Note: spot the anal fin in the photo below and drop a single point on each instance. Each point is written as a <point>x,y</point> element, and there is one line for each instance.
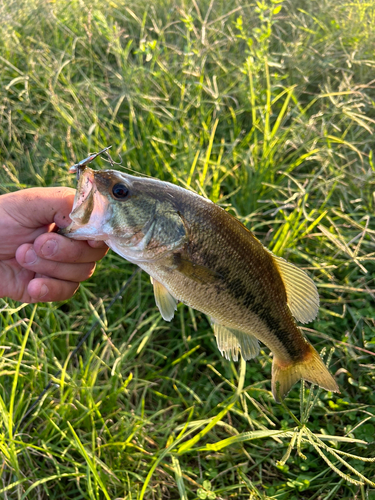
<point>231,341</point>
<point>166,303</point>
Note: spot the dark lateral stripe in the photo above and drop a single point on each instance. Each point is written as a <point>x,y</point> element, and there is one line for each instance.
<point>251,301</point>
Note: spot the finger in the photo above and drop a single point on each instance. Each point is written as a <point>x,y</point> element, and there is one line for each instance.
<point>53,246</point>
<point>28,259</point>
<point>46,289</point>
<point>14,280</point>
<point>37,207</point>
<point>97,244</point>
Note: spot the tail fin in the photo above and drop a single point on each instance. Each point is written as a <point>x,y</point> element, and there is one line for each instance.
<point>310,368</point>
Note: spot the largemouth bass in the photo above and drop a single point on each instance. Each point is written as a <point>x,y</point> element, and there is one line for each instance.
<point>197,253</point>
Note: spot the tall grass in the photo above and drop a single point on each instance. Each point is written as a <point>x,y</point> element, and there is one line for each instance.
<point>267,108</point>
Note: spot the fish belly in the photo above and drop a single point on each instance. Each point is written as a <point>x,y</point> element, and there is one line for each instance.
<point>275,328</point>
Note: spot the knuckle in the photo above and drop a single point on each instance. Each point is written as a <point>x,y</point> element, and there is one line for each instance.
<point>89,271</point>
<point>54,268</point>
<point>64,290</point>
<point>76,251</point>
<point>69,250</point>
<point>71,290</point>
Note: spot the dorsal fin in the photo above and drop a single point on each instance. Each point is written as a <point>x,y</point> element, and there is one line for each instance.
<point>302,294</point>
<point>231,341</point>
<point>166,303</point>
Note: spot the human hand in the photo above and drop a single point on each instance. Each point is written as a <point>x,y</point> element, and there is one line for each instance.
<point>36,263</point>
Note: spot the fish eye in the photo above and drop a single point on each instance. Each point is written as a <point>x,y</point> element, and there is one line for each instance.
<point>120,191</point>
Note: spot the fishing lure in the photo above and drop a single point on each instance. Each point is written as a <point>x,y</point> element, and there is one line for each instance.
<point>78,167</point>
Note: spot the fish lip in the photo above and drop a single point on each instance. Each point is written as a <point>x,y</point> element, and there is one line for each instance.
<point>64,230</point>
<point>81,209</point>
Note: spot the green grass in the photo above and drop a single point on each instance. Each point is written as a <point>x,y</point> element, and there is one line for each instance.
<point>267,111</point>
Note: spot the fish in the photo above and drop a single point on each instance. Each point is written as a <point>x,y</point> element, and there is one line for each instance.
<point>198,253</point>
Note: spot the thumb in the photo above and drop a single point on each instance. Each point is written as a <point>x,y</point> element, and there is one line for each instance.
<point>36,207</point>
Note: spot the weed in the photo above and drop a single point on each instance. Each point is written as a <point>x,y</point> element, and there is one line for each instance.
<point>266,108</point>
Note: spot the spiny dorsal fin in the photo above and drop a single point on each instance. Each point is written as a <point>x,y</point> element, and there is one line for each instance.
<point>231,341</point>
<point>302,295</point>
<point>166,303</point>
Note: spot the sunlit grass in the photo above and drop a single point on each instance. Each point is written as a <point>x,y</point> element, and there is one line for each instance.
<point>269,112</point>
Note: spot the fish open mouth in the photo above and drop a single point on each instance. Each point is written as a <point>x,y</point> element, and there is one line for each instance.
<point>90,210</point>
<point>84,199</point>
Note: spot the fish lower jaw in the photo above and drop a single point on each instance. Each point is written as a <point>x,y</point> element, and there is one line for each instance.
<point>77,232</point>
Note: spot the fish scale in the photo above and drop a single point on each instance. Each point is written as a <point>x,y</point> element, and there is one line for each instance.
<point>233,258</point>
<point>197,253</point>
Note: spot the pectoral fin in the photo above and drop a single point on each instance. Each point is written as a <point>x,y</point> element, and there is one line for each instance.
<point>194,271</point>
<point>166,303</point>
<point>231,341</point>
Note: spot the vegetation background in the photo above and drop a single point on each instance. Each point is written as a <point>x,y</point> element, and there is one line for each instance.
<point>265,107</point>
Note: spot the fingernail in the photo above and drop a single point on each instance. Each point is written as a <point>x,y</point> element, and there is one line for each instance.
<point>49,248</point>
<point>43,291</point>
<point>30,256</point>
